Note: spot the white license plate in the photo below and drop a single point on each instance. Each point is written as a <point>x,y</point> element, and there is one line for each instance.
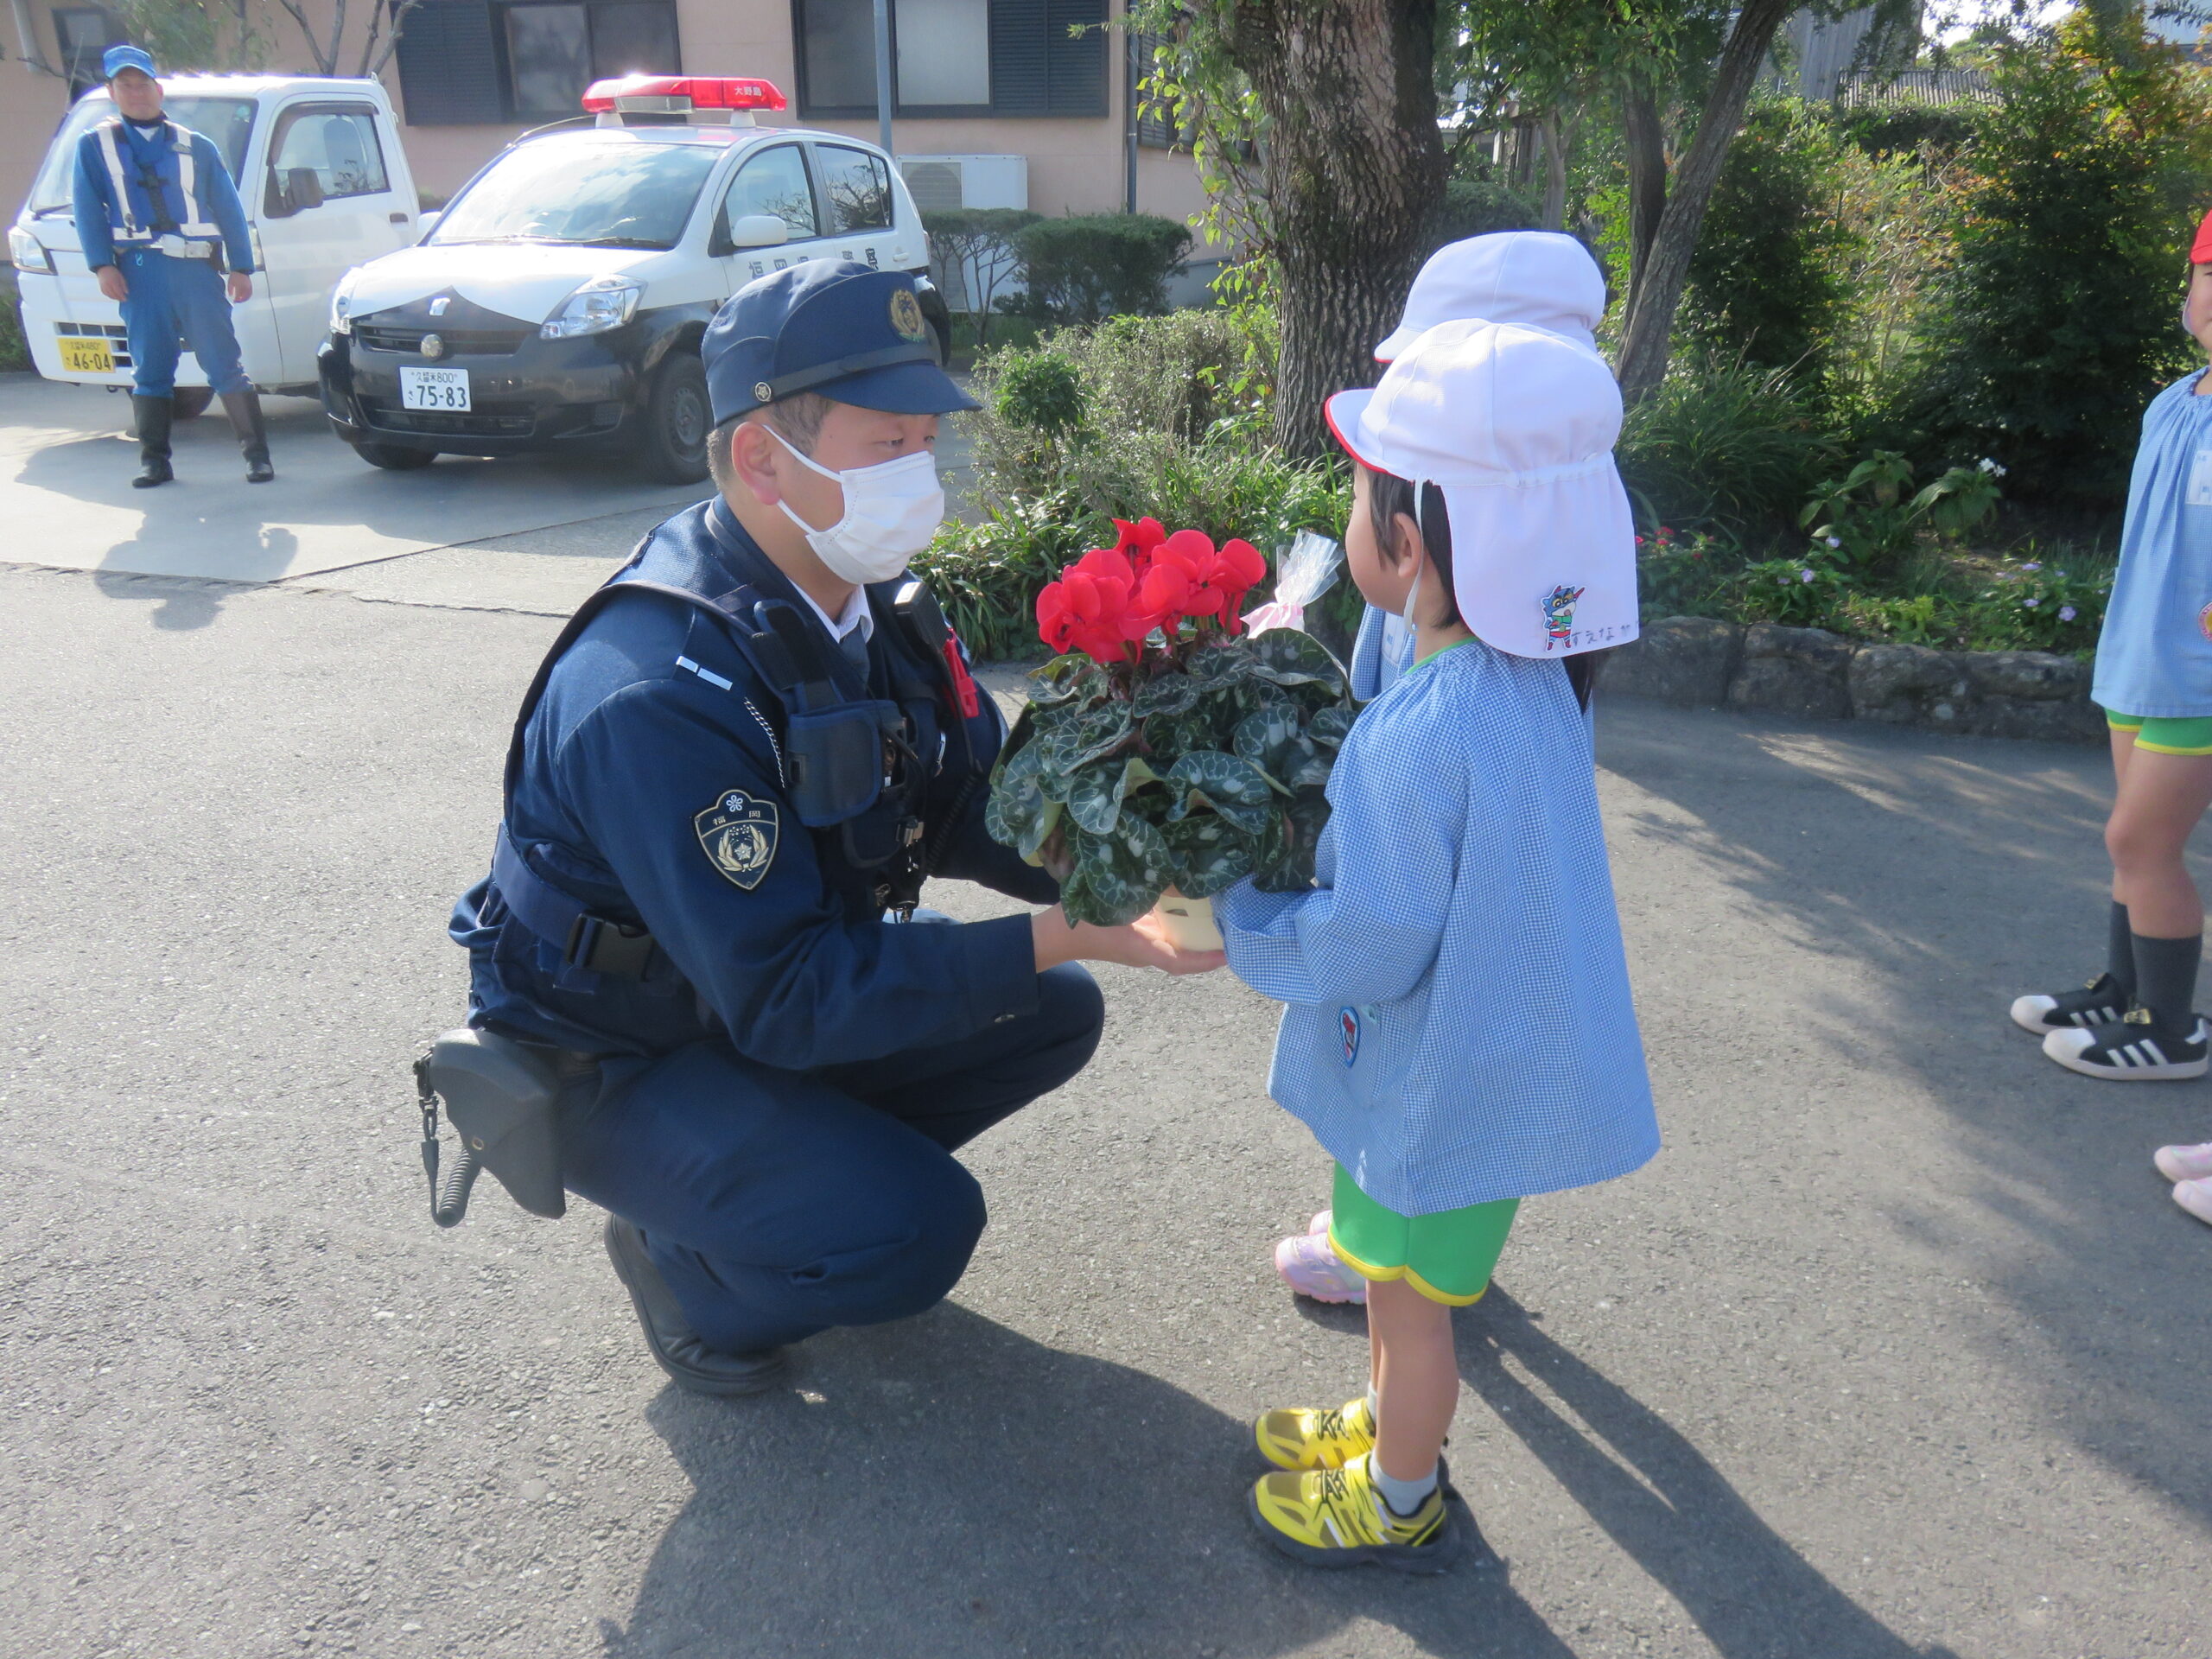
<point>446,389</point>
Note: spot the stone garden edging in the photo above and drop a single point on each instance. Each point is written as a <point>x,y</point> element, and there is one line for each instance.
<point>1698,662</point>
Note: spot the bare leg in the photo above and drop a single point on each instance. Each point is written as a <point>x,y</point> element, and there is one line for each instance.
<point>1416,1376</point>
<point>2159,801</point>
<point>2123,746</point>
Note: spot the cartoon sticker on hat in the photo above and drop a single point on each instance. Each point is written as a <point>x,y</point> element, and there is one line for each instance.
<point>906,315</point>
<point>1558,616</point>
<point>2204,621</point>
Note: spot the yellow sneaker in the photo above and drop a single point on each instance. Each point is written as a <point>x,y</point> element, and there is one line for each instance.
<point>1316,1440</point>
<point>1334,1517</point>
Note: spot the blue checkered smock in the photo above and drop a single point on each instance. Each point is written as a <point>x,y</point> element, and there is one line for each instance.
<point>1460,1027</point>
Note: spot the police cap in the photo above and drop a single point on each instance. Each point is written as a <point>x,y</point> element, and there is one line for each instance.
<point>831,326</point>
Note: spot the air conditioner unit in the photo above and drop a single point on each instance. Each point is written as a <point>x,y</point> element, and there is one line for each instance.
<point>938,182</point>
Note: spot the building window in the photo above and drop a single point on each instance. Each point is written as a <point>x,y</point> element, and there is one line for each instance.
<point>464,62</point>
<point>84,34</point>
<point>955,57</point>
<point>1155,115</point>
<point>336,143</point>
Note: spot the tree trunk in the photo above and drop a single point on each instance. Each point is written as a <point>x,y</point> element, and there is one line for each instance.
<point>1553,215</point>
<point>1352,165</point>
<point>1658,285</point>
<point>1647,173</point>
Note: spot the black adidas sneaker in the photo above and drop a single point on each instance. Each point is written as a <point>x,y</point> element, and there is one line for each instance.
<point>2096,1003</point>
<point>2134,1049</point>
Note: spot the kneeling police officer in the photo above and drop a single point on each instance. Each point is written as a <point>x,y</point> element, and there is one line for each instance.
<point>727,783</point>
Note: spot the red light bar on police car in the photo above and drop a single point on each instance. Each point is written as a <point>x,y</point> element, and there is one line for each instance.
<point>675,94</point>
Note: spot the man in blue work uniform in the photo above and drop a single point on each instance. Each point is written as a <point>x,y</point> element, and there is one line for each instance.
<point>158,218</point>
<point>735,767</point>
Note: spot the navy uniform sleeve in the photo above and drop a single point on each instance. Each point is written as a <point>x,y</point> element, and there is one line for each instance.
<point>219,192</point>
<point>695,825</point>
<point>90,207</point>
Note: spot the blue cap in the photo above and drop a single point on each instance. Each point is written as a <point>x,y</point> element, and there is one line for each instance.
<point>120,58</point>
<point>831,326</point>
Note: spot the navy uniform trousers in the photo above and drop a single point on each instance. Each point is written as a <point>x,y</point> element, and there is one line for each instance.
<point>779,1204</point>
<point>172,302</point>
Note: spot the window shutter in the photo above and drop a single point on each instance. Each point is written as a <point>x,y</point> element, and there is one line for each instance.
<point>1076,64</point>
<point>449,72</point>
<point>1020,76</point>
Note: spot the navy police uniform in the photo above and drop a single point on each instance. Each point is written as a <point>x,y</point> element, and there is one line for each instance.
<point>158,203</point>
<point>786,1064</point>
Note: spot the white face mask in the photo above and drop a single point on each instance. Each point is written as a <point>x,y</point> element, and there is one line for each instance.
<point>890,511</point>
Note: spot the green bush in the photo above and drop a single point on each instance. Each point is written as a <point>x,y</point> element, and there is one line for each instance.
<point>1731,446</point>
<point>15,352</point>
<point>2055,324</point>
<point>1089,266</point>
<point>1478,208</point>
<point>1902,129</point>
<point>1768,281</point>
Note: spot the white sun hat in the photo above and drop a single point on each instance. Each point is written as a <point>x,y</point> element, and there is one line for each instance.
<point>1540,279</point>
<point>1516,427</point>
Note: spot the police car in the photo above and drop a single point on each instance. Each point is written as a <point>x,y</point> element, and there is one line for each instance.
<point>558,304</point>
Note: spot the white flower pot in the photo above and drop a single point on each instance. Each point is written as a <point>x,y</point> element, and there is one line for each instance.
<point>1188,922</point>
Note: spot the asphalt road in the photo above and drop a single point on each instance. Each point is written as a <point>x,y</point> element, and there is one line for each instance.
<point>1898,1348</point>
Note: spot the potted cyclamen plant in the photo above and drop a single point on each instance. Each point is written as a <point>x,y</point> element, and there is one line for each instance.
<point>1164,750</point>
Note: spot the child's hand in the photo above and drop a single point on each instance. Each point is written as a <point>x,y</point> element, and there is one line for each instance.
<point>1141,943</point>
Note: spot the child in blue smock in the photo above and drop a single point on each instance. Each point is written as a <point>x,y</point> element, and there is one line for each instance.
<point>2136,1021</point>
<point>1457,1033</point>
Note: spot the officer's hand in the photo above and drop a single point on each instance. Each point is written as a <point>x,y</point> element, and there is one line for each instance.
<point>1141,943</point>
<point>241,288</point>
<point>111,284</point>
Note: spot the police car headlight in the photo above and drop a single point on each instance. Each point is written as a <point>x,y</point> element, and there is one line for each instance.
<point>27,252</point>
<point>341,306</point>
<point>603,303</point>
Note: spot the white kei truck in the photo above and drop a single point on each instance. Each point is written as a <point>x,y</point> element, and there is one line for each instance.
<point>325,187</point>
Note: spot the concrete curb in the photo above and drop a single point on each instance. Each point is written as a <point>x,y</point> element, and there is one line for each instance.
<point>1698,661</point>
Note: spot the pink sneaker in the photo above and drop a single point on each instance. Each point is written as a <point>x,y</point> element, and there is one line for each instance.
<point>2195,1196</point>
<point>2185,1163</point>
<point>1309,1267</point>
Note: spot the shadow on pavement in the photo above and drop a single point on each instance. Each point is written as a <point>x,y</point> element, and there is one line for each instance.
<point>954,1488</point>
<point>1962,872</point>
<point>1662,1501</point>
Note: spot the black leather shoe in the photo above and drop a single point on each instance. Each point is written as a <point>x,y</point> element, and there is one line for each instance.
<point>676,1347</point>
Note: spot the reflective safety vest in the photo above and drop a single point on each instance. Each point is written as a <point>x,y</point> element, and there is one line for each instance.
<point>141,215</point>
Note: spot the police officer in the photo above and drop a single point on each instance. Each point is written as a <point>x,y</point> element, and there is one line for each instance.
<point>735,768</point>
<point>158,218</point>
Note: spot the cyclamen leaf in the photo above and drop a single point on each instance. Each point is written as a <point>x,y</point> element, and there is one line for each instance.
<point>1118,877</point>
<point>1065,679</point>
<point>1331,727</point>
<point>1210,855</point>
<point>1088,739</point>
<point>1270,741</point>
<point>1017,799</point>
<point>1170,694</point>
<point>1096,793</point>
<point>1033,840</point>
<point>1220,779</point>
<point>1290,658</point>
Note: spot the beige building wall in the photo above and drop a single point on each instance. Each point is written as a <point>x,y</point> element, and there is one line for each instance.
<point>1075,166</point>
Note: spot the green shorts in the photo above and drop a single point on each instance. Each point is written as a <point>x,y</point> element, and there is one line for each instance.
<point>2192,736</point>
<point>1447,1257</point>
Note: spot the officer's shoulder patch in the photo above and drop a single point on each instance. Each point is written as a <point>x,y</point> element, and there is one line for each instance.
<point>739,835</point>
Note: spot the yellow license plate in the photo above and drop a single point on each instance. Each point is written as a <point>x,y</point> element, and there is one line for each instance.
<point>82,356</point>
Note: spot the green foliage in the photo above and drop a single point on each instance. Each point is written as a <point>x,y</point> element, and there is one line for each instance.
<point>1798,592</point>
<point>1089,266</point>
<point>1041,390</point>
<point>1902,129</point>
<point>189,36</point>
<point>1768,281</point>
<point>1726,445</point>
<point>2055,323</point>
<point>987,575</point>
<point>1204,763</point>
<point>1870,518</point>
<point>1479,208</point>
<point>974,253</point>
<point>15,352</point>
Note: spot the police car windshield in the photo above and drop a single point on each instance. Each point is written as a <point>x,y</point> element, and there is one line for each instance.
<point>227,121</point>
<point>621,196</point>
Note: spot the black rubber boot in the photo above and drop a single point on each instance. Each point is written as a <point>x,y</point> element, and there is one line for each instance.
<point>245,410</point>
<point>675,1346</point>
<point>151,418</point>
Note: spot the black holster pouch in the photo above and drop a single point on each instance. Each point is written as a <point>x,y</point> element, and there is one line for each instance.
<point>504,1100</point>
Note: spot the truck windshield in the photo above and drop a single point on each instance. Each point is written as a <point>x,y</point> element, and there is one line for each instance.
<point>626,195</point>
<point>227,121</point>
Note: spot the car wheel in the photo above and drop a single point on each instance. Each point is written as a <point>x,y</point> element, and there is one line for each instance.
<point>392,458</point>
<point>188,403</point>
<point>672,439</point>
